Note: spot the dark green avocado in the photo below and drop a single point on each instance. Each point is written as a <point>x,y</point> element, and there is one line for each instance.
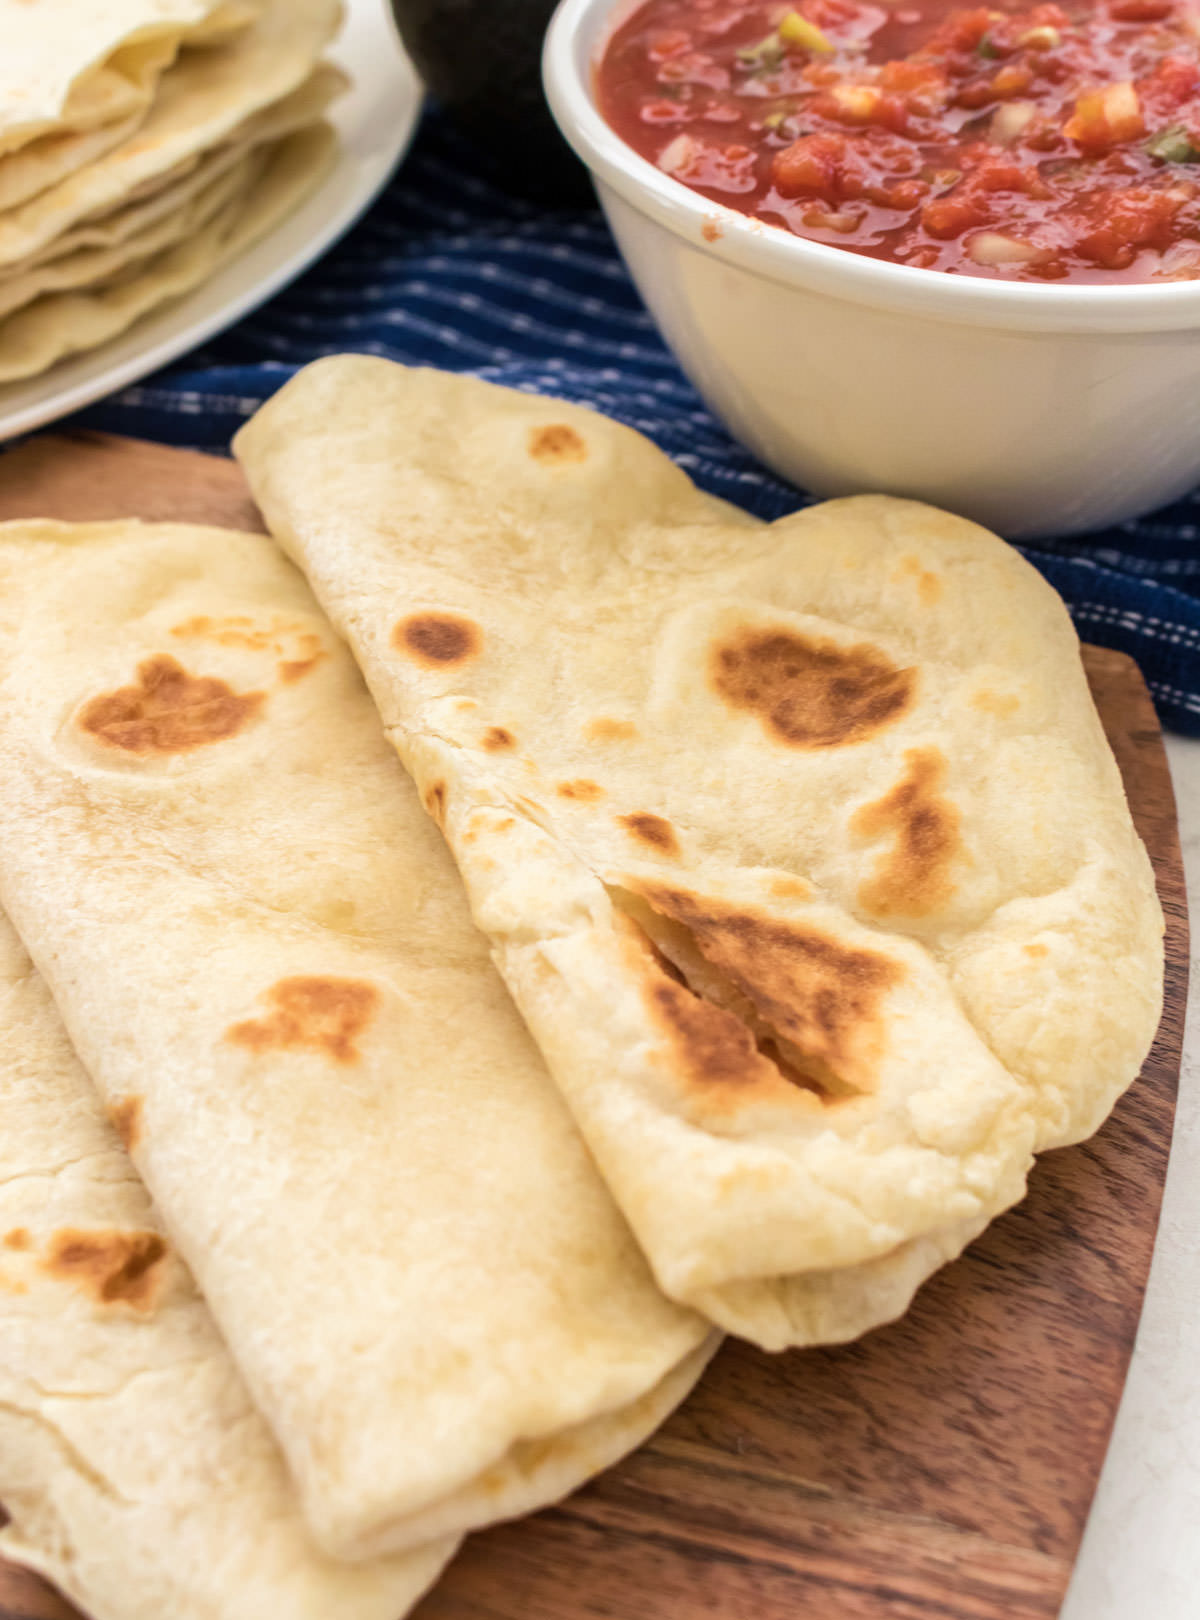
<point>481,59</point>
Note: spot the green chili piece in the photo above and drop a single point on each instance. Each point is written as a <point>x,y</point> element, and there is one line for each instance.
<point>768,53</point>
<point>1173,145</point>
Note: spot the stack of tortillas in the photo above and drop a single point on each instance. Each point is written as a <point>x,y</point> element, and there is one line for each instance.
<point>817,911</point>
<point>143,144</point>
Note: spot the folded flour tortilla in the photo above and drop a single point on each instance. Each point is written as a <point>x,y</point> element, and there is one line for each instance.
<point>800,845</point>
<point>74,65</point>
<point>200,104</point>
<point>138,1475</point>
<point>262,954</point>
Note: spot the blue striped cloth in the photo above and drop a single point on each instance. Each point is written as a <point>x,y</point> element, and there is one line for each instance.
<point>448,271</point>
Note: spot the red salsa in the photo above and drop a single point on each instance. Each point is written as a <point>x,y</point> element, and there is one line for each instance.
<point>1037,143</point>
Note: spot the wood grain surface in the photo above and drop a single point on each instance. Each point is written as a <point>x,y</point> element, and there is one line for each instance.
<point>941,1468</point>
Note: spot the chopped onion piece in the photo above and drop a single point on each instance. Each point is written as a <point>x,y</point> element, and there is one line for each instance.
<point>1180,262</point>
<point>857,101</point>
<point>1122,107</point>
<point>845,221</point>
<point>1010,120</point>
<point>677,154</point>
<point>1044,38</point>
<point>990,248</point>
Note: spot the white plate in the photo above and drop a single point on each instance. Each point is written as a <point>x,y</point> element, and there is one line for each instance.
<point>375,122</point>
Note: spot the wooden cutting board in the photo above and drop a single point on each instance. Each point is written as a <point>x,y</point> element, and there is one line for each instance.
<point>942,1467</point>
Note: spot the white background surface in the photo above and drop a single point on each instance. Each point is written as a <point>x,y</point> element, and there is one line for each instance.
<point>1141,1555</point>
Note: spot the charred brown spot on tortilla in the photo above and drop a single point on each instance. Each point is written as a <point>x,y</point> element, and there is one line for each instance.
<point>435,802</point>
<point>998,703</point>
<point>323,1015</point>
<point>1037,950</point>
<point>168,711</point>
<point>438,640</point>
<point>496,739</point>
<point>557,443</point>
<point>809,692</point>
<point>790,888</point>
<point>18,1239</point>
<point>716,1045</point>
<point>584,791</point>
<point>235,630</point>
<point>808,1006</point>
<point>912,879</point>
<point>650,829</point>
<point>298,650</point>
<point>929,584</point>
<point>603,729</point>
<point>126,1119</point>
<point>114,1268</point>
<point>308,654</point>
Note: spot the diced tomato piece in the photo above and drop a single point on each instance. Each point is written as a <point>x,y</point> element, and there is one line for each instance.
<point>818,166</point>
<point>673,42</point>
<point>1044,136</point>
<point>947,217</point>
<point>1164,91</point>
<point>916,79</point>
<point>1013,79</point>
<point>717,23</point>
<point>904,194</point>
<point>892,113</point>
<point>818,73</point>
<point>666,112</point>
<point>1049,16</point>
<point>694,68</point>
<point>1140,10</point>
<point>1106,117</point>
<point>1002,176</point>
<point>961,32</point>
<point>1124,222</point>
<point>828,13</point>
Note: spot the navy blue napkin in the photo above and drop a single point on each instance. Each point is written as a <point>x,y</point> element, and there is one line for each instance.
<point>448,271</point>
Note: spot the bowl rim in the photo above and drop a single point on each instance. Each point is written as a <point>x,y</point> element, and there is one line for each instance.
<point>574,39</point>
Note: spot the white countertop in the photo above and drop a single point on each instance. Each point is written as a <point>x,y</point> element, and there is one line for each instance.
<point>1140,1558</point>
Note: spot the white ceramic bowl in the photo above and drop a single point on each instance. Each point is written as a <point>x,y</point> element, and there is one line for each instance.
<point>1038,410</point>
